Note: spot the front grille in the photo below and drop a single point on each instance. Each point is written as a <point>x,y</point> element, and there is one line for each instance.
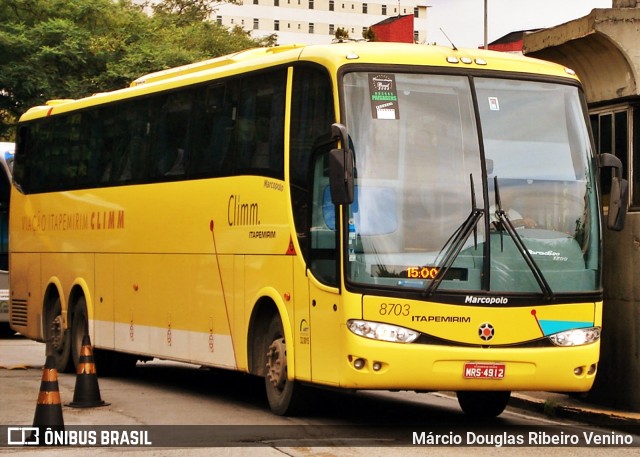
<point>429,339</point>
<point>18,313</point>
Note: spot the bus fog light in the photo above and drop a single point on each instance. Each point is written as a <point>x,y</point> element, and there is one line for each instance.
<point>578,371</point>
<point>382,332</point>
<point>377,366</point>
<point>592,368</point>
<point>359,364</point>
<point>576,337</point>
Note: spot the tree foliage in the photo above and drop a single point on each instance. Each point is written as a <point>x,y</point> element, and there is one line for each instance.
<point>72,48</point>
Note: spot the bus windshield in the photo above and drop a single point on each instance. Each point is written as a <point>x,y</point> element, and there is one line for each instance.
<point>434,152</point>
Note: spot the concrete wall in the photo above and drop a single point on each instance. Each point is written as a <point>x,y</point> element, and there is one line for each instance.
<point>604,50</point>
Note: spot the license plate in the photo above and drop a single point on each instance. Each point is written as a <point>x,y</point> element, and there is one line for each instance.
<point>474,370</point>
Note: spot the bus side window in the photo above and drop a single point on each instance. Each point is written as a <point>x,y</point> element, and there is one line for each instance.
<point>259,135</point>
<point>126,143</point>
<point>171,130</point>
<point>310,122</point>
<point>214,122</point>
<point>324,253</point>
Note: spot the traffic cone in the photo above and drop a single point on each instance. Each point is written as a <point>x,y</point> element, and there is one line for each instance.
<point>49,410</point>
<point>86,393</point>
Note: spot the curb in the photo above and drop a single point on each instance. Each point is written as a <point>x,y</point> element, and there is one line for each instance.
<point>565,408</point>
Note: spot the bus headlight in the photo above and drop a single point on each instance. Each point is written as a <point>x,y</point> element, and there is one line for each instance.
<point>382,332</point>
<point>576,337</point>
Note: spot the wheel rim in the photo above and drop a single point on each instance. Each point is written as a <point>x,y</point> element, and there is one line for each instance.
<point>56,336</point>
<point>277,364</point>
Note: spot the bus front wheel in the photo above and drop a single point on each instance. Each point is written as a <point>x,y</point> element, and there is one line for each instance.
<point>286,397</point>
<point>483,404</point>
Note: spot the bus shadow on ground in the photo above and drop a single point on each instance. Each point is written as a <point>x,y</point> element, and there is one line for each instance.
<point>361,408</point>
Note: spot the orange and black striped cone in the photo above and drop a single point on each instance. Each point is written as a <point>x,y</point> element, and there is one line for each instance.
<point>49,410</point>
<point>86,393</point>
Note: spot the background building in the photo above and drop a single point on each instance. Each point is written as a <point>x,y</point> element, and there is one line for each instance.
<point>604,50</point>
<point>512,42</point>
<point>316,21</point>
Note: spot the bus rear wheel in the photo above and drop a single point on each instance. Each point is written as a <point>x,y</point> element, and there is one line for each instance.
<point>286,397</point>
<point>79,328</point>
<point>483,404</point>
<point>58,339</point>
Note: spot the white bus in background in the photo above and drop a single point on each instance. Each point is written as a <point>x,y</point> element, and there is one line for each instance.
<point>6,166</point>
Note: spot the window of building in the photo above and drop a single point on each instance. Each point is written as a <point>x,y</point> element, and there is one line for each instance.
<point>256,24</point>
<point>276,25</point>
<point>332,29</point>
<point>311,5</point>
<point>384,9</point>
<point>255,2</point>
<point>611,134</point>
<point>311,27</point>
<point>219,20</point>
<point>364,8</point>
<point>331,5</point>
<point>416,12</point>
<point>276,2</point>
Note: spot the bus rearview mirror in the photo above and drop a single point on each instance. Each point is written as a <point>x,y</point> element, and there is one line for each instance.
<point>619,191</point>
<point>341,167</point>
<point>618,204</point>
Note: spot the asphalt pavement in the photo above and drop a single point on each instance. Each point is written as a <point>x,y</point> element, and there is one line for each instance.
<point>559,405</point>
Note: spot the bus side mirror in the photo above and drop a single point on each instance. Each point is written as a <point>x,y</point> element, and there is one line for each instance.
<point>619,192</point>
<point>341,168</point>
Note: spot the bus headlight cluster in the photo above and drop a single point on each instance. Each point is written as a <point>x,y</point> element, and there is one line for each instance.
<point>382,332</point>
<point>576,337</point>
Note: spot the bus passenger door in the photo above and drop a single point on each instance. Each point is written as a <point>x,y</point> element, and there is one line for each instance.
<point>324,296</point>
<point>324,326</point>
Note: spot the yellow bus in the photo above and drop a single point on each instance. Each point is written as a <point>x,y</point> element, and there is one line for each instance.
<point>354,216</point>
<point>6,163</point>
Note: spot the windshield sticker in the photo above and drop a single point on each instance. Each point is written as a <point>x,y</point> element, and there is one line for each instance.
<point>352,240</point>
<point>494,105</point>
<point>384,97</point>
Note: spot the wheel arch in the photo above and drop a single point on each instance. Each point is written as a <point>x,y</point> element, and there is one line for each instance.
<point>53,291</point>
<point>269,305</point>
<point>80,289</point>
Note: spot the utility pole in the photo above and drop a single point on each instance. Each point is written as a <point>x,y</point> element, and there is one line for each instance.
<point>486,33</point>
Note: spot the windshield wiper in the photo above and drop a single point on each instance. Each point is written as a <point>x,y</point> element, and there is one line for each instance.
<point>456,242</point>
<point>505,224</point>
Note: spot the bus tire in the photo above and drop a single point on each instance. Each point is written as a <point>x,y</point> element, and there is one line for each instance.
<point>58,338</point>
<point>286,398</point>
<point>79,328</point>
<point>483,404</point>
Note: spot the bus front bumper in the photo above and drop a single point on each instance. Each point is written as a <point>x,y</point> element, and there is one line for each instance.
<point>370,364</point>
